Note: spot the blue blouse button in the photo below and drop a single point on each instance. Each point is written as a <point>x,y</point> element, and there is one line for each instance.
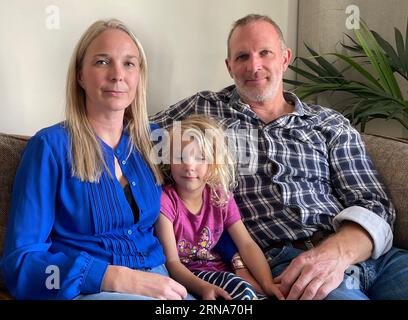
<point>124,162</point>
<point>133,183</point>
<point>129,232</point>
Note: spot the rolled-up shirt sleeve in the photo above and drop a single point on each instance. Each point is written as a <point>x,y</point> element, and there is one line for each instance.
<point>379,230</point>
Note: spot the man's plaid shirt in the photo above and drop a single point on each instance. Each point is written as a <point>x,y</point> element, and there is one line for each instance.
<point>307,170</point>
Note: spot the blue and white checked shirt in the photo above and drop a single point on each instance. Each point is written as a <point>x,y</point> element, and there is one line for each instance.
<point>303,172</point>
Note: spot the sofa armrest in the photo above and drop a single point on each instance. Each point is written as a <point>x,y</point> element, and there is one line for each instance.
<point>10,152</point>
<point>390,157</point>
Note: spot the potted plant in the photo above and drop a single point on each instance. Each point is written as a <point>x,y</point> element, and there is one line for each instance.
<point>376,92</point>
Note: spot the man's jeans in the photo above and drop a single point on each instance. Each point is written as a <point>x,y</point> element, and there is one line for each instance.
<point>380,279</point>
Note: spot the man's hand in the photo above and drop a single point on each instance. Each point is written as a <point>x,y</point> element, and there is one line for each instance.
<point>312,275</point>
<point>315,273</point>
<point>126,280</point>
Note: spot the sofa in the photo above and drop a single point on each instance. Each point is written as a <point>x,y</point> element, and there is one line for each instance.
<point>389,155</point>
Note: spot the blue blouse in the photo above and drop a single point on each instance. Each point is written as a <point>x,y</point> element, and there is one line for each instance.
<point>63,233</point>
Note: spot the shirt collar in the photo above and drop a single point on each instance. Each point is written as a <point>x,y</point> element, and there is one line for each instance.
<point>301,109</point>
<point>235,102</point>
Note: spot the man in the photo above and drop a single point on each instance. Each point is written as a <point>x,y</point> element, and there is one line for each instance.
<point>313,177</point>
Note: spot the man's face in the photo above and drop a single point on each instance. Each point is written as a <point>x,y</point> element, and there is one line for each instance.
<point>257,62</point>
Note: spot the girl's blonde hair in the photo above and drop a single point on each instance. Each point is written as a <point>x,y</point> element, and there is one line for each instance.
<point>87,158</point>
<point>212,142</point>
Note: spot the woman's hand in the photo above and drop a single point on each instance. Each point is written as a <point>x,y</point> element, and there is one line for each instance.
<point>212,292</point>
<point>126,280</point>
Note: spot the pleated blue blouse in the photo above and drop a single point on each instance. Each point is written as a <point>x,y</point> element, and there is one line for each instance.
<point>63,233</point>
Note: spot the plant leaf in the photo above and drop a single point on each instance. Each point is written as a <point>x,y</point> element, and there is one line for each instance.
<point>293,82</point>
<point>378,60</point>
<point>405,73</point>
<point>324,63</point>
<point>376,93</point>
<point>403,55</point>
<point>389,51</point>
<point>364,72</point>
<point>306,74</point>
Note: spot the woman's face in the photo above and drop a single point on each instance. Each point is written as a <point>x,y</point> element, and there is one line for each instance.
<point>110,72</point>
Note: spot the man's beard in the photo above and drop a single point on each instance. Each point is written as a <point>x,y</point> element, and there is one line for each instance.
<point>258,95</point>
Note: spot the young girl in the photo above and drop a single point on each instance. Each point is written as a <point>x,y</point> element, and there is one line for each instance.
<point>195,210</point>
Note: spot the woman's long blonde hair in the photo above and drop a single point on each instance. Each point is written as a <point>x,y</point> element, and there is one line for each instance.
<point>87,158</point>
<point>212,142</point>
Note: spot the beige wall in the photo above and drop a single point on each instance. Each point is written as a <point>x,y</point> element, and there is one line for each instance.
<point>322,25</point>
<point>184,41</point>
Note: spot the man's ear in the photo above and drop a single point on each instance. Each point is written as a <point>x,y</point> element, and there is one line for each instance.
<point>228,67</point>
<point>287,55</point>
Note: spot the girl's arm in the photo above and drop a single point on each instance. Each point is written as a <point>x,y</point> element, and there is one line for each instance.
<point>244,274</point>
<point>227,249</point>
<point>254,259</point>
<point>165,233</point>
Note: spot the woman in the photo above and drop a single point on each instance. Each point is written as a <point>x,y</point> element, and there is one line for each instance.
<point>86,194</point>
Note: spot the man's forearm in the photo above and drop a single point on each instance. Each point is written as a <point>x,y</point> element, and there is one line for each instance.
<point>353,242</point>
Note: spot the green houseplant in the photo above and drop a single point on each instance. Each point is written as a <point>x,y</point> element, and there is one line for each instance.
<point>375,93</point>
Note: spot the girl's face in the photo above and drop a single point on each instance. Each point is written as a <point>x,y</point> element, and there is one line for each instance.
<point>188,167</point>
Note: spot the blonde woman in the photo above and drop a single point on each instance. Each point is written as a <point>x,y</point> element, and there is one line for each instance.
<point>195,210</point>
<point>86,194</point>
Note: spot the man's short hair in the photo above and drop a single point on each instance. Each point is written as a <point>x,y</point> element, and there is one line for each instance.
<point>254,18</point>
